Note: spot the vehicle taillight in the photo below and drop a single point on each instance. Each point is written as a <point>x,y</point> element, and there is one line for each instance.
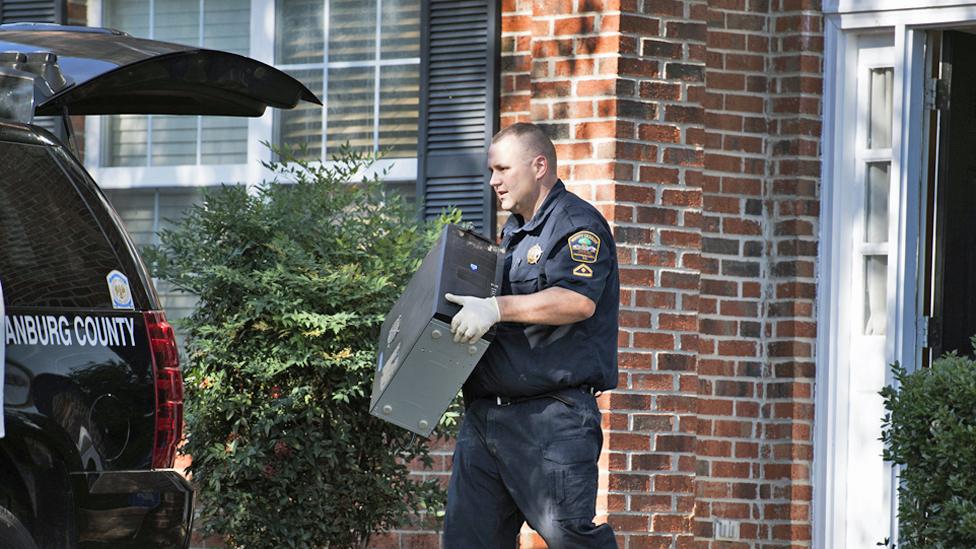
<point>169,389</point>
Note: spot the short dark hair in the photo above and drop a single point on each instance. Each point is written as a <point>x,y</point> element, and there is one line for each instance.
<point>533,138</point>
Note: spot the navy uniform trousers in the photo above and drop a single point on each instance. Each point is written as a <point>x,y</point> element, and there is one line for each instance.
<point>533,461</point>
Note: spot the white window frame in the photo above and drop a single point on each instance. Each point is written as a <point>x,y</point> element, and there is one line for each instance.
<point>836,479</point>
<point>260,129</point>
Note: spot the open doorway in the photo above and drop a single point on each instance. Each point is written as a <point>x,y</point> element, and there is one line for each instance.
<point>950,281</point>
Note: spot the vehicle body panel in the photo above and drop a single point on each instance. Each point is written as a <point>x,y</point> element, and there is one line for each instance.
<point>81,390</point>
<point>133,509</point>
<point>79,387</point>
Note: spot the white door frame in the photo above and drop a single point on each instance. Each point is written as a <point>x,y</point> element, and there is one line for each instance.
<point>845,20</point>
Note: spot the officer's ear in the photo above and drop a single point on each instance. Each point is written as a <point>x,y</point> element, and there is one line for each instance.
<point>540,165</point>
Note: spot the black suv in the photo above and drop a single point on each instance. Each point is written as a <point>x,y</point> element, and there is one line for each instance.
<point>92,390</point>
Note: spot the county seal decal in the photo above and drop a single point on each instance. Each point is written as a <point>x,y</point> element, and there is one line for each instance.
<point>118,287</point>
<point>584,247</point>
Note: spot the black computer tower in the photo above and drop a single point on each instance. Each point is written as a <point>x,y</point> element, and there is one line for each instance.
<point>419,367</point>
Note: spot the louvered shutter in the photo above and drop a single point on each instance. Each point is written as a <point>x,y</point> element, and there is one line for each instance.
<point>32,11</point>
<point>458,108</point>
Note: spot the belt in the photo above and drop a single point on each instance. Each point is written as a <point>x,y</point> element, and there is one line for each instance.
<point>506,401</point>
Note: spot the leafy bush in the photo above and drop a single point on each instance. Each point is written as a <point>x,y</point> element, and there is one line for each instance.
<point>930,429</point>
<point>293,282</point>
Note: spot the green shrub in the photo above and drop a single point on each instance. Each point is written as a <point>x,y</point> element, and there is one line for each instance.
<point>930,430</point>
<point>293,282</point>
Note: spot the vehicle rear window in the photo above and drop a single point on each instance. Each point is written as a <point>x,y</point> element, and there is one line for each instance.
<point>52,251</point>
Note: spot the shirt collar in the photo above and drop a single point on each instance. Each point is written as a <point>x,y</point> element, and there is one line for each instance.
<point>544,210</point>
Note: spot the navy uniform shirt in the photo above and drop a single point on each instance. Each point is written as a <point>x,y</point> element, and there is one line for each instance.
<point>566,244</point>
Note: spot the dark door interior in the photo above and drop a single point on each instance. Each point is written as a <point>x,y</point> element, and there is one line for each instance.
<point>952,303</point>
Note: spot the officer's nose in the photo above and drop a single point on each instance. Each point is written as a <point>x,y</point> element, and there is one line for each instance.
<point>495,180</point>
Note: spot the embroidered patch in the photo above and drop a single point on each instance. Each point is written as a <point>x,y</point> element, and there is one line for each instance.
<point>583,270</point>
<point>584,247</point>
<point>535,252</point>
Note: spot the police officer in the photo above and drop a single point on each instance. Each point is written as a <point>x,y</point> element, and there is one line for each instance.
<point>531,436</point>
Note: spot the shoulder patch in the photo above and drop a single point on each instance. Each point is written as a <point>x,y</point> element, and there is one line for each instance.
<point>583,270</point>
<point>584,247</point>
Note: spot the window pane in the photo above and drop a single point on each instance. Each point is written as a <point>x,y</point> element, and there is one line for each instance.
<point>227,26</point>
<point>174,140</point>
<point>350,91</point>
<point>131,16</point>
<point>177,21</point>
<point>54,254</point>
<point>399,108</point>
<point>400,29</point>
<point>352,30</point>
<point>876,202</point>
<point>126,140</point>
<point>298,34</point>
<point>350,108</point>
<point>879,126</point>
<point>224,140</point>
<point>302,126</point>
<point>137,209</point>
<point>875,294</point>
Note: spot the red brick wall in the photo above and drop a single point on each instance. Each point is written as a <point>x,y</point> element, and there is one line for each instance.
<point>713,193</point>
<point>653,415</point>
<point>694,126</point>
<point>759,248</point>
<point>620,88</point>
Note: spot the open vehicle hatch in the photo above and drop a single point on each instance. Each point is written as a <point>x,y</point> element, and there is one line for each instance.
<point>103,71</point>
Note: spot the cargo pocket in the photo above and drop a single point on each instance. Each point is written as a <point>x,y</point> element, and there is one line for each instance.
<point>572,471</point>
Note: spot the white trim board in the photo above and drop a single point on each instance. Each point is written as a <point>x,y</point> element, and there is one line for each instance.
<point>856,6</point>
<point>834,478</point>
<point>910,18</point>
<point>398,169</point>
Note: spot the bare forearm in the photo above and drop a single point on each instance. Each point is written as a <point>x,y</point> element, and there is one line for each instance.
<point>552,306</point>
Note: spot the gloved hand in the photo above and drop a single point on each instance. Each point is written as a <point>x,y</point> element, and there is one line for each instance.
<point>477,316</point>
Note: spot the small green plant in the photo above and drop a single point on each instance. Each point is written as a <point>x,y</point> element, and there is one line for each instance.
<point>930,430</point>
<point>293,281</point>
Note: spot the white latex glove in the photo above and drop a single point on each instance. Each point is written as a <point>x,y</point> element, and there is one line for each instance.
<point>477,316</point>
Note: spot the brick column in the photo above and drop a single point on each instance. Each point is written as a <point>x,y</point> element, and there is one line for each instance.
<point>733,290</point>
<point>759,248</point>
<point>653,417</point>
<point>713,198</point>
<point>572,57</point>
<point>793,209</point>
<point>619,86</point>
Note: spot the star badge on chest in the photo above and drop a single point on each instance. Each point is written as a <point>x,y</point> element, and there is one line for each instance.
<point>534,254</point>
